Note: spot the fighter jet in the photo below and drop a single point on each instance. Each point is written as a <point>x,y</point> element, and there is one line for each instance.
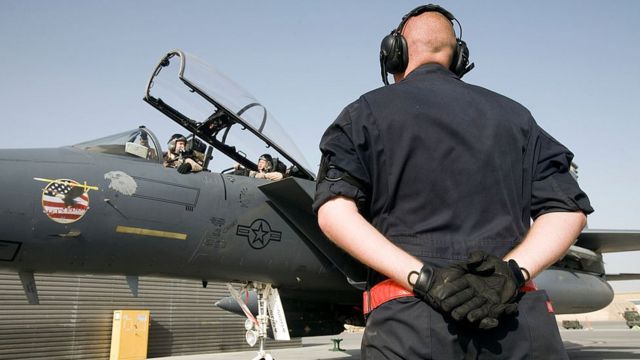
<point>109,206</point>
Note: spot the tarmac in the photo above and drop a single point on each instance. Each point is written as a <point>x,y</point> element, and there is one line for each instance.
<point>606,340</point>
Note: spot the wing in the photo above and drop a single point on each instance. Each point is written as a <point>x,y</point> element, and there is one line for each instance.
<point>605,241</point>
<point>608,241</point>
<point>622,276</point>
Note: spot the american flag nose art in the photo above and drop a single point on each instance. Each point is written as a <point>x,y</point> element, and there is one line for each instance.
<point>65,201</point>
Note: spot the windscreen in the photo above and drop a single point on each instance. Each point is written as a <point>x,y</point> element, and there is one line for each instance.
<point>137,143</point>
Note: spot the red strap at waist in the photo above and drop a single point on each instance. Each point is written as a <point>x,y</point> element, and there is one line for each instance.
<point>529,286</point>
<point>388,290</point>
<point>382,292</point>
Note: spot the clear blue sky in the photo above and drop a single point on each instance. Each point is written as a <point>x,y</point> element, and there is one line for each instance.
<point>76,70</point>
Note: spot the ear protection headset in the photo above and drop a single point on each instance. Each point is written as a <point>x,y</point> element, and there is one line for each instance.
<point>174,139</point>
<point>269,161</point>
<point>394,56</point>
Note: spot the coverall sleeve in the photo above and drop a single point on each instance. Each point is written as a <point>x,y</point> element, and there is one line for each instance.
<point>554,188</point>
<point>342,172</point>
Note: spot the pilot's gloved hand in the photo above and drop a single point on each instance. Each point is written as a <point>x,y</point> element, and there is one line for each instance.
<point>184,168</point>
<point>495,284</point>
<point>442,288</point>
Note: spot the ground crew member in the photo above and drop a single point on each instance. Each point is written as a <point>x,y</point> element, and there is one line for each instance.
<point>178,157</point>
<point>432,183</point>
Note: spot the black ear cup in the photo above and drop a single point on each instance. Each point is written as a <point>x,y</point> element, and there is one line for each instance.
<point>460,63</point>
<point>393,53</point>
<point>460,58</point>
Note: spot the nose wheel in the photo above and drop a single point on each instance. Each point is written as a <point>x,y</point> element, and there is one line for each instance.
<point>270,313</point>
<point>263,357</point>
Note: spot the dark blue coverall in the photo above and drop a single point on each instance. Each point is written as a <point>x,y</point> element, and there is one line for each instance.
<point>443,168</point>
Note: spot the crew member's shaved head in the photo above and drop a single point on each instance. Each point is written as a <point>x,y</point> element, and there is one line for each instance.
<point>430,39</point>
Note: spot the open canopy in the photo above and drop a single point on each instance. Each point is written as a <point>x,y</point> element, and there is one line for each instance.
<point>221,113</point>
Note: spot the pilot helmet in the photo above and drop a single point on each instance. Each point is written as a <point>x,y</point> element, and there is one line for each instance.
<point>174,139</point>
<point>269,161</point>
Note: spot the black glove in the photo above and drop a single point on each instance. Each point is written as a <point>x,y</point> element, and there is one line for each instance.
<point>481,263</point>
<point>184,168</point>
<point>443,289</point>
<point>495,284</point>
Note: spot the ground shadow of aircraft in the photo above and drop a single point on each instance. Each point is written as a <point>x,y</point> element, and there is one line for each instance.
<point>109,206</point>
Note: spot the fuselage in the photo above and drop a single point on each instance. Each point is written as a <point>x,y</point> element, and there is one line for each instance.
<point>143,219</point>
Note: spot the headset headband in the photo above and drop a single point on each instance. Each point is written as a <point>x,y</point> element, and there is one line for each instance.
<point>425,8</point>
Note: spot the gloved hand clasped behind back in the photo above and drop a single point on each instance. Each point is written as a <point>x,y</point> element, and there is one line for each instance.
<point>495,284</point>
<point>442,288</point>
<point>479,291</point>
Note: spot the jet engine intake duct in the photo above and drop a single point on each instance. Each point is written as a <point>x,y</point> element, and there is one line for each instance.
<point>293,198</point>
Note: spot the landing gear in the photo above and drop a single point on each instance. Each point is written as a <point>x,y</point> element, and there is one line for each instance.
<point>270,311</point>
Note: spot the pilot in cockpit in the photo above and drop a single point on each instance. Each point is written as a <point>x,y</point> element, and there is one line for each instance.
<point>180,157</point>
<point>268,168</point>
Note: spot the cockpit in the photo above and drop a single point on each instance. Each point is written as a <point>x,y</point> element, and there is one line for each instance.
<point>218,116</point>
<point>214,109</point>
